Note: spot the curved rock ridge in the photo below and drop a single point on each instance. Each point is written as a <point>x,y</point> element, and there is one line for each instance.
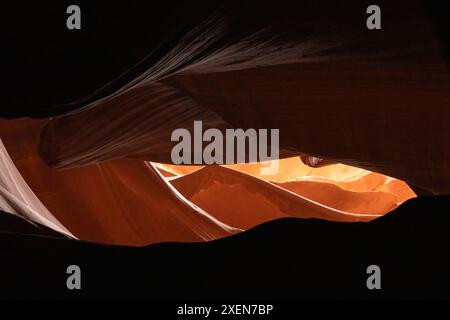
<point>118,202</point>
<point>230,194</point>
<point>136,124</point>
<point>292,171</point>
